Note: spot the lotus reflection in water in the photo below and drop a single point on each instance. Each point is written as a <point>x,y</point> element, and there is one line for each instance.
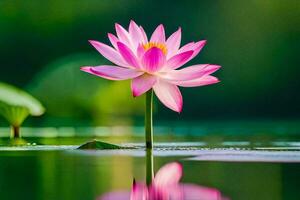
<point>166,186</point>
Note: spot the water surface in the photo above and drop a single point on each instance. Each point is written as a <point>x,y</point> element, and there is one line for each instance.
<point>260,166</point>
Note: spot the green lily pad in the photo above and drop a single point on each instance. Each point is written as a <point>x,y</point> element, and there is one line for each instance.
<point>16,104</point>
<point>98,145</point>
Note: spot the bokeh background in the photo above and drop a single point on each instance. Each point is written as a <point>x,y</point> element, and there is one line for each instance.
<point>44,43</point>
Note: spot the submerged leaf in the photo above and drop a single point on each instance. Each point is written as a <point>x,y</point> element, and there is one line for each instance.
<point>96,144</point>
<point>16,105</point>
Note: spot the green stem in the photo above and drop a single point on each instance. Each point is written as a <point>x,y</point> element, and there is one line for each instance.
<point>148,120</point>
<point>15,132</point>
<point>149,137</point>
<point>149,166</point>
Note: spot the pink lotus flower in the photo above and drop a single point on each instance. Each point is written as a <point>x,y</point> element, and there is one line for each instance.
<point>166,186</point>
<point>153,63</point>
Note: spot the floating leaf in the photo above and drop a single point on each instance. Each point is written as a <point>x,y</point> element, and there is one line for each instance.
<point>96,144</point>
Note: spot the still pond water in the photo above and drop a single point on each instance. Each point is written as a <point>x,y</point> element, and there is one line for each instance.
<point>240,167</point>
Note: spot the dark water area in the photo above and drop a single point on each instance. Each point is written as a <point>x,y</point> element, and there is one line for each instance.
<point>244,168</point>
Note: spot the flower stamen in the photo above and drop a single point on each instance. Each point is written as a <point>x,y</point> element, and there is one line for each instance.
<point>161,46</point>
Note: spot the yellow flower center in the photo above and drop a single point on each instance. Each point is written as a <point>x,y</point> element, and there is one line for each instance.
<point>161,46</point>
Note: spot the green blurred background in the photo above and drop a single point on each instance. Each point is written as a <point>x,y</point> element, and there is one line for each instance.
<point>44,43</point>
